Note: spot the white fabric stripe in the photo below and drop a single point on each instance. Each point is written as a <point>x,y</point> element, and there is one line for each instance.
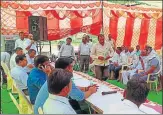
<point>136,32</point>
<point>106,21</point>
<point>87,21</point>
<point>121,31</point>
<point>64,23</point>
<point>151,33</point>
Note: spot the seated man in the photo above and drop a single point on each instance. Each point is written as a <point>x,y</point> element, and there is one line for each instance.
<point>19,74</point>
<point>152,66</point>
<point>77,93</point>
<point>126,51</point>
<point>137,52</point>
<point>126,75</point>
<point>30,59</point>
<point>132,55</point>
<point>136,94</point>
<point>18,51</point>
<point>38,76</point>
<point>59,86</point>
<point>117,62</point>
<point>5,57</point>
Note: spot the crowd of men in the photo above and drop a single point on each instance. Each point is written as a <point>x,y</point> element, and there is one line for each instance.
<point>52,87</point>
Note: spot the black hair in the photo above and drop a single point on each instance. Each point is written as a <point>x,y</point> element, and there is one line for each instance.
<point>69,38</point>
<point>18,48</point>
<point>40,59</point>
<point>137,90</point>
<point>58,79</point>
<point>21,33</point>
<point>100,35</point>
<point>119,48</point>
<point>63,63</point>
<point>88,36</point>
<point>31,50</point>
<point>19,58</point>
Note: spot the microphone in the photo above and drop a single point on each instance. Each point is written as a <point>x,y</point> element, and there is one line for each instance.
<point>108,92</point>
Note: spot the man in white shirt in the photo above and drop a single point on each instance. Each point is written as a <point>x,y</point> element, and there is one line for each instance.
<point>88,40</point>
<point>100,53</point>
<point>20,42</point>
<point>132,58</point>
<point>117,61</point>
<point>136,94</point>
<point>5,57</point>
<point>151,66</point>
<point>127,51</point>
<point>84,55</point>
<point>18,51</point>
<point>67,50</point>
<point>59,86</point>
<point>19,74</point>
<point>30,60</point>
<point>139,65</point>
<point>111,41</point>
<point>30,44</point>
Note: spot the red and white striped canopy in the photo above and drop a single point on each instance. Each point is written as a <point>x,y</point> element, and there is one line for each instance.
<point>129,26</point>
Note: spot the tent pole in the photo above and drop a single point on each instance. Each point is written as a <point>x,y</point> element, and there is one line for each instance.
<point>50,48</point>
<point>102,16</point>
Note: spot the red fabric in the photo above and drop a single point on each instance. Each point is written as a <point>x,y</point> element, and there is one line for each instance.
<point>75,24</point>
<point>22,19</point>
<point>128,31</point>
<point>158,39</point>
<point>79,14</point>
<point>96,28</point>
<point>113,27</point>
<point>53,25</point>
<point>55,14</point>
<point>96,24</point>
<point>143,32</point>
<point>115,14</point>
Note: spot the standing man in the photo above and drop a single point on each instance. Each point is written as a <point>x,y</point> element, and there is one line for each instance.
<point>84,55</point>
<point>100,53</point>
<point>67,50</point>
<point>88,40</point>
<point>111,41</point>
<point>30,44</point>
<point>20,42</point>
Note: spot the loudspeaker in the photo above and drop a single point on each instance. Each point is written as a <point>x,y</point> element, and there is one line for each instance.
<point>38,27</point>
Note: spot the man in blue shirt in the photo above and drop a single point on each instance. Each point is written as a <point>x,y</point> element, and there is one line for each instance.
<point>38,76</point>
<point>77,93</point>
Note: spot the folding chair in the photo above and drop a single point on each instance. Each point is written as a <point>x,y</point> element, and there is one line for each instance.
<point>154,81</point>
<point>25,107</point>
<point>129,63</point>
